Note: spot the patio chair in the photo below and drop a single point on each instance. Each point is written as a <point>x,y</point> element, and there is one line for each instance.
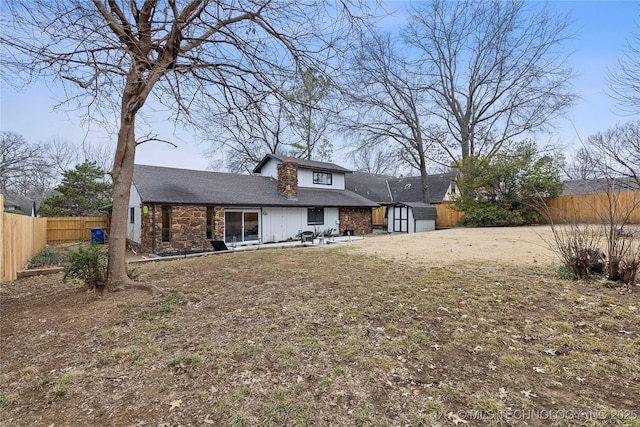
<point>306,236</point>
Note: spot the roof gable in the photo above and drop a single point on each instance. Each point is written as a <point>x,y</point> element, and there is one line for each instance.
<point>302,164</point>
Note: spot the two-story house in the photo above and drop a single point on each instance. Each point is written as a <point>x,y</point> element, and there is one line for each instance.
<point>181,210</point>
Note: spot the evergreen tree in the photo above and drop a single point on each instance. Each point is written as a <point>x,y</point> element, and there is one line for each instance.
<point>83,192</point>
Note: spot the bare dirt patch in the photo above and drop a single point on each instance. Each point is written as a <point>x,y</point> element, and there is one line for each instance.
<point>514,246</point>
<point>329,336</point>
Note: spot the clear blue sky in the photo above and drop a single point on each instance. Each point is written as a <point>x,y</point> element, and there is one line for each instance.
<point>602,29</point>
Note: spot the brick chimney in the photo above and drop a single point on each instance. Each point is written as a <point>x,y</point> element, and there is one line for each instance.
<point>288,178</point>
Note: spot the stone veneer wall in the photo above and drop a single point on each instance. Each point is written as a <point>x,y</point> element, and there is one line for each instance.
<point>188,228</point>
<point>357,219</point>
<point>218,223</point>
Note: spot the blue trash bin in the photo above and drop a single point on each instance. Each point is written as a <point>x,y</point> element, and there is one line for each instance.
<point>97,235</point>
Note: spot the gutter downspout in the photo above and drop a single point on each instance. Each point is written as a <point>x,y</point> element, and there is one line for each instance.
<point>260,228</point>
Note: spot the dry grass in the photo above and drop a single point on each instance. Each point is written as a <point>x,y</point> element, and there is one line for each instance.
<point>329,336</point>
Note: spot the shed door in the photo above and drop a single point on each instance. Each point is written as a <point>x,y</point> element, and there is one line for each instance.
<point>401,219</point>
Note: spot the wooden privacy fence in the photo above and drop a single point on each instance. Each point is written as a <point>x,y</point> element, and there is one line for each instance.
<point>447,216</point>
<point>21,237</point>
<point>73,229</point>
<point>377,217</point>
<point>594,208</point>
<point>579,208</point>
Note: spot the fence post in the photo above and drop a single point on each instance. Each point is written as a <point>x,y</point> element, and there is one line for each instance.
<point>2,238</point>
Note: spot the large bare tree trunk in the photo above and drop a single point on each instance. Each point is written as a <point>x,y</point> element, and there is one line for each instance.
<point>424,180</point>
<point>117,276</point>
<point>122,175</point>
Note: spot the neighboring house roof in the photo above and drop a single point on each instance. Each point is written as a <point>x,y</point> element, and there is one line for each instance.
<point>421,211</point>
<point>164,185</point>
<point>372,186</point>
<point>302,164</point>
<point>19,202</point>
<point>404,189</point>
<point>595,186</point>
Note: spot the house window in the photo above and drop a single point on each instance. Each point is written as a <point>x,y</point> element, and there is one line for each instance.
<point>211,214</point>
<point>166,223</point>
<point>315,216</point>
<point>132,215</point>
<point>453,188</point>
<point>322,178</point>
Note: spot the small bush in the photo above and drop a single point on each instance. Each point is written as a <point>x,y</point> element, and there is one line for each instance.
<point>6,399</point>
<point>565,272</point>
<point>46,257</point>
<point>89,264</point>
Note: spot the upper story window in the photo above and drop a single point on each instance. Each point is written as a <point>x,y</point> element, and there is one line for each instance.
<point>322,178</point>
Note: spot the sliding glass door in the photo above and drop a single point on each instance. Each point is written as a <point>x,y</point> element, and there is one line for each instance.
<point>241,226</point>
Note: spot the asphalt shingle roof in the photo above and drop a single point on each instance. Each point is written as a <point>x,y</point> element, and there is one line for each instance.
<point>164,185</point>
<point>421,210</point>
<point>596,186</point>
<point>19,202</point>
<point>372,186</point>
<point>386,189</point>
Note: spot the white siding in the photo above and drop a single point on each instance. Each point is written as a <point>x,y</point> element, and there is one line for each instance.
<point>305,176</point>
<point>425,225</point>
<point>134,230</point>
<point>450,195</point>
<point>270,169</point>
<point>305,179</point>
<point>280,224</point>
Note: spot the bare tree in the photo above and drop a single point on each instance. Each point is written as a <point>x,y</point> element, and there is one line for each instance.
<point>247,130</point>
<point>33,170</point>
<point>63,154</point>
<point>494,69</point>
<point>19,160</point>
<point>616,152</point>
<point>624,80</point>
<point>385,104</point>
<point>117,54</point>
<point>309,115</point>
<point>99,153</point>
<point>293,121</point>
<point>583,166</point>
<point>378,160</point>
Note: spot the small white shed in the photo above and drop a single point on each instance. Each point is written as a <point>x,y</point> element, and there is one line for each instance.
<point>411,217</point>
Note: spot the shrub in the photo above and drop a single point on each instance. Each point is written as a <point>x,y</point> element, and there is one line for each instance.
<point>46,257</point>
<point>89,264</point>
<point>509,187</point>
